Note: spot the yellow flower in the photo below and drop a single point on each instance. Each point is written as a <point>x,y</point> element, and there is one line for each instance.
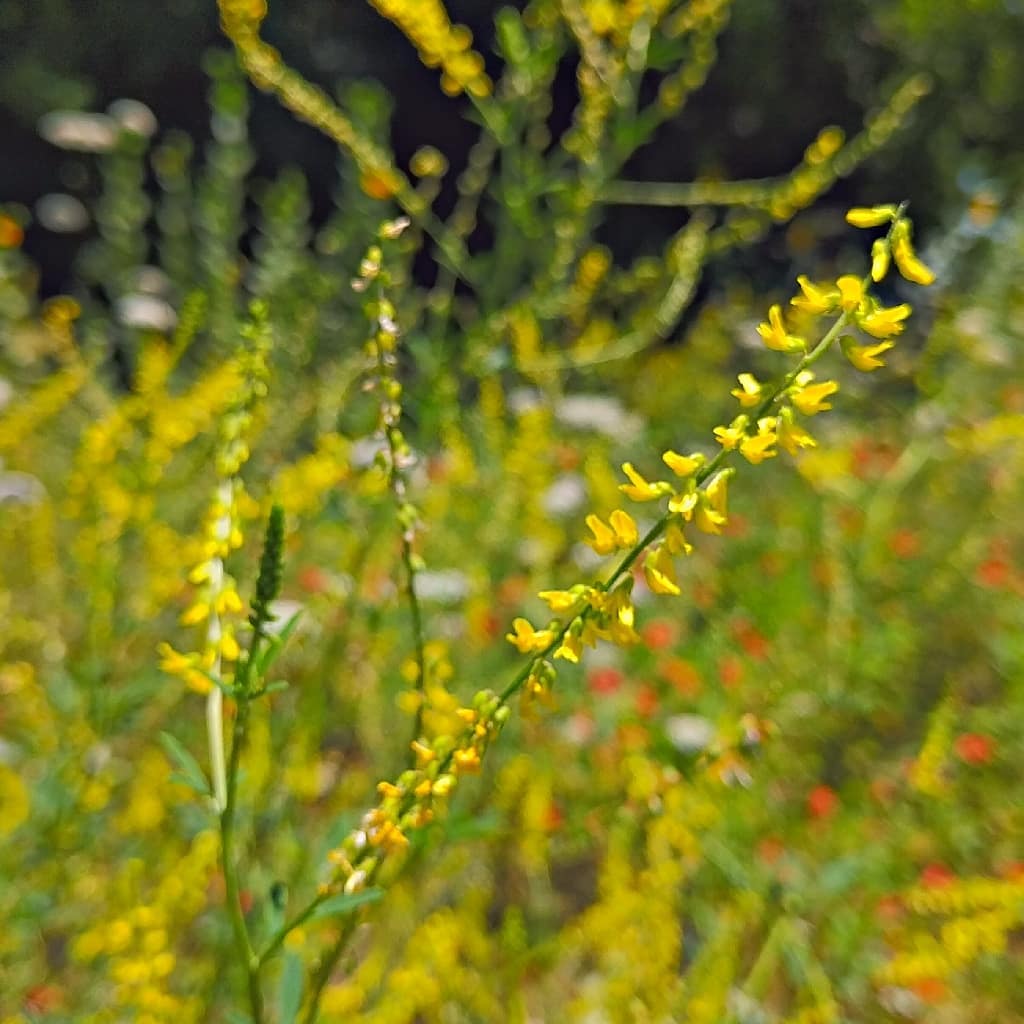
<point>424,754</point>
<point>879,259</point>
<point>622,533</point>
<point>571,648</point>
<point>660,572</point>
<point>560,601</point>
<point>198,612</point>
<point>708,519</point>
<point>717,492</point>
<point>640,489</point>
<point>750,391</point>
<point>683,503</point>
<point>757,448</point>
<point>884,323</point>
<point>906,259</point>
<point>775,336</point>
<point>467,762</point>
<point>618,608</point>
<point>527,639</point>
<point>851,292</point>
<point>675,540</point>
<point>810,398</point>
<point>683,465</point>
<point>870,216</point>
<point>815,300</point>
<point>228,601</point>
<point>791,435</point>
<point>730,437</point>
<point>865,357</point>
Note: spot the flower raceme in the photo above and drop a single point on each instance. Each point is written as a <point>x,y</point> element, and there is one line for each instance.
<point>604,610</point>
<point>770,421</point>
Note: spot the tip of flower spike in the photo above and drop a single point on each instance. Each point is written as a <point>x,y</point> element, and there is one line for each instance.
<point>871,216</point>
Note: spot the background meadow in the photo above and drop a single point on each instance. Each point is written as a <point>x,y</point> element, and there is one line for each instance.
<point>796,798</point>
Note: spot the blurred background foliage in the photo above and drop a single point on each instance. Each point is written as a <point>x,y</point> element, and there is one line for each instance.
<point>796,801</point>
<point>783,67</point>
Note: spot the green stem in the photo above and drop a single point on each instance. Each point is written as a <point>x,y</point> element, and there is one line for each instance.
<point>277,939</point>
<point>325,969</point>
<point>230,868</point>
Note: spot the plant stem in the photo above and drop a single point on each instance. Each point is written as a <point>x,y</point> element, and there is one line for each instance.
<point>230,869</point>
<point>323,973</point>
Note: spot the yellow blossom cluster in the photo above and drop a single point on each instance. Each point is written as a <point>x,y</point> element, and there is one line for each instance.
<point>216,599</point>
<point>303,486</point>
<point>440,44</point>
<point>633,931</point>
<point>926,772</point>
<point>42,404</point>
<point>986,911</point>
<point>962,895</point>
<point>135,942</point>
<point>961,941</point>
<point>413,799</point>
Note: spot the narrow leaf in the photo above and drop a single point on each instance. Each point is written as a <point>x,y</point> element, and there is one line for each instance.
<point>187,765</point>
<point>345,903</point>
<point>289,992</point>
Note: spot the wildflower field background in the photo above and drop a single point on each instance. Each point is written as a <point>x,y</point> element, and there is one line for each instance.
<point>515,522</point>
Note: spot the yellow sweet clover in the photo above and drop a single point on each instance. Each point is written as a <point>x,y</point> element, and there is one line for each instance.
<point>591,612</point>
<point>216,603</point>
<point>926,773</point>
<point>440,44</point>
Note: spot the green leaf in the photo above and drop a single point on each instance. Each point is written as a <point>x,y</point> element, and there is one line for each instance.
<point>189,771</point>
<point>289,991</point>
<point>345,903</point>
<point>270,653</point>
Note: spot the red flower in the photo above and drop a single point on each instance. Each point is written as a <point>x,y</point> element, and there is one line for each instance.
<point>931,990</point>
<point>554,819</point>
<point>42,999</point>
<point>646,701</point>
<point>604,681</point>
<point>659,634</point>
<point>313,579</point>
<point>994,573</point>
<point>889,909</point>
<point>682,675</point>
<point>822,802</point>
<point>974,748</point>
<point>936,876</point>
<point>750,638</point>
<point>730,670</point>
<point>904,543</point>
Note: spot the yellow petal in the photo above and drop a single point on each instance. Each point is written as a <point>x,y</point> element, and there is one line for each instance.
<point>660,573</point>
<point>851,292</point>
<point>683,465</point>
<point>815,300</point>
<point>749,391</point>
<point>870,216</point>
<point>626,532</point>
<point>640,489</point>
<point>604,542</point>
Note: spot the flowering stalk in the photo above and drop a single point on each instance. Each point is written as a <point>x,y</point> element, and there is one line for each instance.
<point>604,610</point>
<point>217,596</point>
<point>395,458</point>
<point>268,584</point>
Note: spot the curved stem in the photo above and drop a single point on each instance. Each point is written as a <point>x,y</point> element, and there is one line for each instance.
<point>230,868</point>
